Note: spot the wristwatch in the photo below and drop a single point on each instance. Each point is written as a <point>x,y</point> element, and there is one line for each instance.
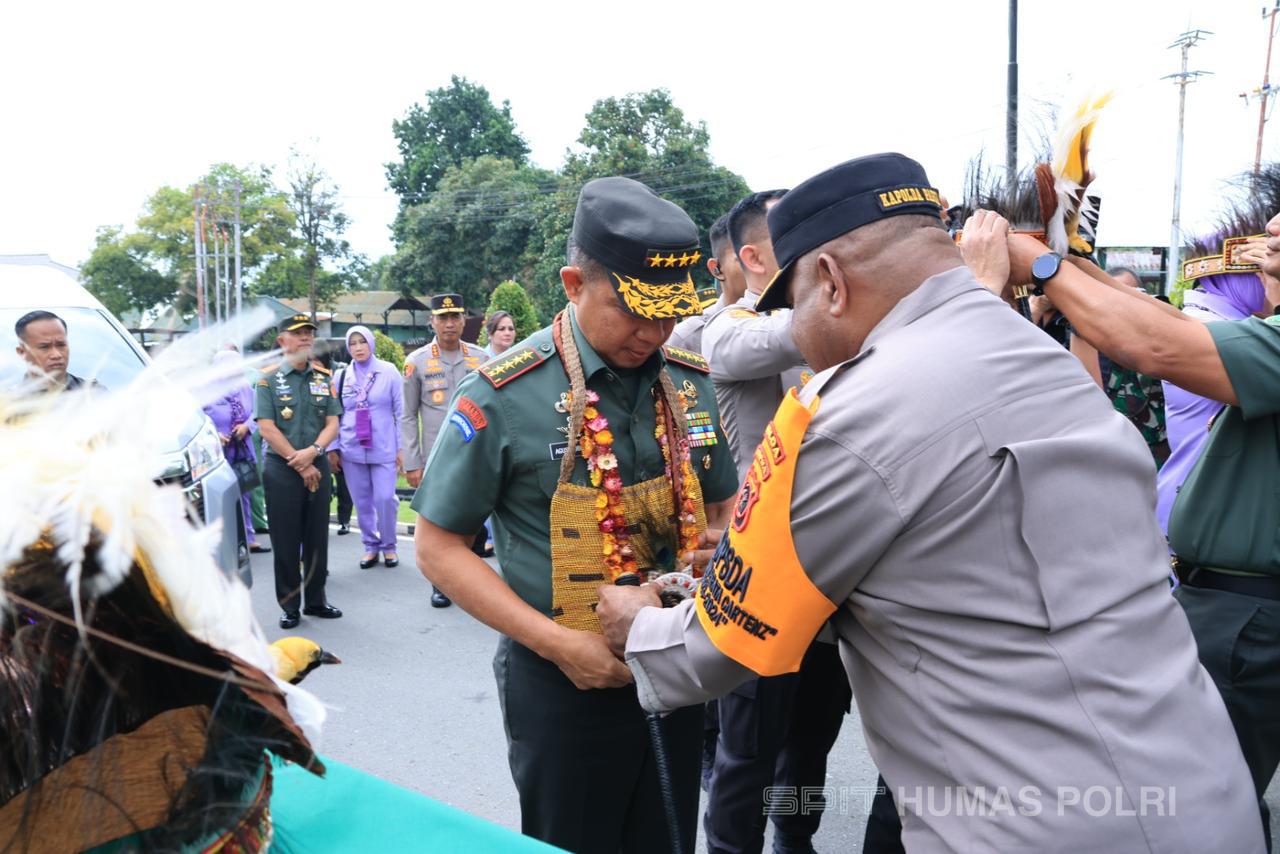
<point>319,450</point>
<point>1043,269</point>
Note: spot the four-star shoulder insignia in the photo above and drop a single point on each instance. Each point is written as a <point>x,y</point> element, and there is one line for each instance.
<point>688,358</point>
<point>511,365</point>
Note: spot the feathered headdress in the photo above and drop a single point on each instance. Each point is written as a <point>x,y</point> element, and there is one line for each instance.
<point>1050,200</point>
<point>1257,201</point>
<point>1064,206</point>
<point>135,692</point>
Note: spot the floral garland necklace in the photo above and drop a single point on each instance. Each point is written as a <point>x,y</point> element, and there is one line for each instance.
<point>596,443</point>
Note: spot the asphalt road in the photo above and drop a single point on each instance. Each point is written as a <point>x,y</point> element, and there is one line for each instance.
<point>414,700</point>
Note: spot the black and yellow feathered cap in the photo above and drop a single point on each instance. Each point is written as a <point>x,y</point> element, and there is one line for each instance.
<point>648,245</point>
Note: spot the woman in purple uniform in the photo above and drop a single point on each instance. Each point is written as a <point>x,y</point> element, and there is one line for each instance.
<point>368,446</point>
<point>232,416</point>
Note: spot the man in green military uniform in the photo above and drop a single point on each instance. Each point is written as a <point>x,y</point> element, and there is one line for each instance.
<point>297,416</point>
<point>599,454</point>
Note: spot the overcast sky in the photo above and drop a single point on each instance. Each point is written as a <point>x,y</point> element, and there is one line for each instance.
<point>101,103</point>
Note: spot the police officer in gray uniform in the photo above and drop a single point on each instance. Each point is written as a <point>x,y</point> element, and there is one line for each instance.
<point>725,269</point>
<point>773,732</point>
<point>431,376</point>
<point>954,489</point>
<point>753,357</point>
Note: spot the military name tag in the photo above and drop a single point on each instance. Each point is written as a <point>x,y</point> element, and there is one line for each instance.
<point>558,449</point>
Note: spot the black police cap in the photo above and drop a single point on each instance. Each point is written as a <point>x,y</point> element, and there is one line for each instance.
<point>832,203</point>
<point>447,304</point>
<point>648,245</point>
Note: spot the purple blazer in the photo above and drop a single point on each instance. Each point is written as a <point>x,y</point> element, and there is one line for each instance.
<point>235,408</point>
<point>382,392</point>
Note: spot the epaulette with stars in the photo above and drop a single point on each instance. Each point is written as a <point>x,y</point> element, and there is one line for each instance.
<point>319,368</point>
<point>508,366</point>
<point>688,358</point>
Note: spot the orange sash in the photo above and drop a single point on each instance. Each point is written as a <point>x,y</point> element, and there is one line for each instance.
<point>756,603</point>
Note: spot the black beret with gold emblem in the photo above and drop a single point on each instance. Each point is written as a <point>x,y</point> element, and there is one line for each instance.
<point>648,246</point>
<point>298,321</point>
<point>447,304</point>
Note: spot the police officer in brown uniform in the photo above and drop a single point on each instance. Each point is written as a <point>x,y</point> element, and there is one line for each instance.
<point>431,376</point>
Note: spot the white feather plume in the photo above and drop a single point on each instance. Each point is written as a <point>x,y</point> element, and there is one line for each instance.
<point>83,464</point>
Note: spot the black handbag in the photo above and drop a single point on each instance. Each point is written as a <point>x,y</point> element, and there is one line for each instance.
<point>246,469</point>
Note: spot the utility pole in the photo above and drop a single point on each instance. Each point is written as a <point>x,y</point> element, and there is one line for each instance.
<point>217,269</point>
<point>199,247</point>
<point>1264,92</point>
<point>239,288</point>
<point>1011,103</point>
<point>226,274</point>
<point>1186,41</point>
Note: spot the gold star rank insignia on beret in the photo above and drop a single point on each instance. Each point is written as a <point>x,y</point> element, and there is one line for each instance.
<point>664,258</point>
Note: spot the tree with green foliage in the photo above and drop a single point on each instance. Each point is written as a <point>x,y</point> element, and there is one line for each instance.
<point>459,123</point>
<point>153,267</point>
<point>117,273</point>
<point>514,300</point>
<point>644,136</point>
<point>474,232</point>
<point>319,224</point>
<point>385,348</point>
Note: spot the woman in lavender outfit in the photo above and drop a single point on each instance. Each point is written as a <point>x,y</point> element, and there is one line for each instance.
<point>367,450</point>
<point>232,416</point>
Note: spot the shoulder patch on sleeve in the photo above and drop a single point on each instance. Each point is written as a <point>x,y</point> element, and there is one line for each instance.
<point>504,369</point>
<point>472,411</point>
<point>408,369</point>
<point>688,358</point>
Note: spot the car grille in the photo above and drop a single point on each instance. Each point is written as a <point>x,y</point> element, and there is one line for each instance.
<point>194,493</point>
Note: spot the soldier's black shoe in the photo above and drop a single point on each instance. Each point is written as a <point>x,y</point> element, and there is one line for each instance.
<point>326,611</point>
<point>438,599</point>
<point>343,530</point>
<point>289,619</point>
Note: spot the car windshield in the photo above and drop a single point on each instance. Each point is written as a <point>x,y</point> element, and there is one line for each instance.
<point>99,350</point>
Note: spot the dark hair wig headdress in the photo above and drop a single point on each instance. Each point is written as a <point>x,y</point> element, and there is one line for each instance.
<point>135,695</point>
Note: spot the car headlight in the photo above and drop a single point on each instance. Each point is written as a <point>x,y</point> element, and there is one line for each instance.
<point>204,452</point>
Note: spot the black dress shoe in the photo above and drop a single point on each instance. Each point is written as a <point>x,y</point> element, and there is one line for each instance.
<point>260,550</point>
<point>371,562</point>
<point>438,599</point>
<point>343,530</point>
<point>289,619</point>
<point>325,612</point>
<point>391,562</point>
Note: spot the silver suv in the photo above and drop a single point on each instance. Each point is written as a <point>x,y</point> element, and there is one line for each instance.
<point>103,350</point>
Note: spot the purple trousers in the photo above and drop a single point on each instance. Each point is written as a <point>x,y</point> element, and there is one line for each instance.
<point>373,492</point>
<point>246,510</point>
